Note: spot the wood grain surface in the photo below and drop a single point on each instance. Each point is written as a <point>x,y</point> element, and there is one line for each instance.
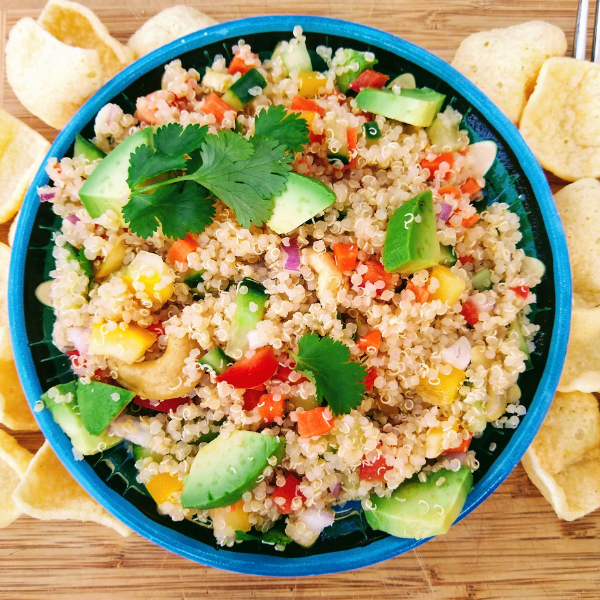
<point>512,547</point>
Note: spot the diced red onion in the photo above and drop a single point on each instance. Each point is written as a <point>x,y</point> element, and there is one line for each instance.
<point>461,457</point>
<point>336,489</point>
<point>46,197</point>
<point>316,519</point>
<point>79,337</point>
<point>445,212</point>
<point>73,219</point>
<point>292,256</point>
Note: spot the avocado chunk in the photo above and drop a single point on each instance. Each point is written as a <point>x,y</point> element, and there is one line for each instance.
<point>418,107</point>
<point>228,467</point>
<point>419,510</point>
<point>346,60</point>
<point>106,188</point>
<point>86,149</point>
<point>67,415</point>
<point>411,240</point>
<point>303,198</point>
<point>100,404</point>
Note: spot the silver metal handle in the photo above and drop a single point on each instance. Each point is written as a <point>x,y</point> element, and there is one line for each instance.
<point>581,29</point>
<point>596,42</point>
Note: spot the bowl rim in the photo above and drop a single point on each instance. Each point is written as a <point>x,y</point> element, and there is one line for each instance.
<point>377,551</point>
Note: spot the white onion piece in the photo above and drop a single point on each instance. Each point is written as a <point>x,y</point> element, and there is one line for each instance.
<point>80,338</point>
<point>316,519</point>
<point>129,428</point>
<point>483,303</point>
<point>458,355</point>
<point>253,341</point>
<point>478,159</point>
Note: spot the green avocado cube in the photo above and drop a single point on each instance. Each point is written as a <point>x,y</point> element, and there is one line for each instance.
<point>100,404</point>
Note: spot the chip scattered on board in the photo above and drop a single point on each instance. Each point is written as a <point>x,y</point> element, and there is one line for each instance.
<point>14,460</point>
<point>579,208</point>
<point>168,25</point>
<point>78,26</point>
<point>564,459</point>
<point>581,372</point>
<point>561,122</point>
<point>21,153</point>
<point>13,230</point>
<point>504,63</point>
<point>51,79</point>
<point>48,491</point>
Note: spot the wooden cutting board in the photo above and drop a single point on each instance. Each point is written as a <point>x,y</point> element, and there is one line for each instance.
<point>511,547</point>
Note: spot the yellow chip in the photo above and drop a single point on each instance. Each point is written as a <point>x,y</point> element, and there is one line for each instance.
<point>167,26</point>
<point>14,460</point>
<point>4,263</point>
<point>21,153</point>
<point>564,459</point>
<point>13,230</point>
<point>50,78</point>
<point>561,122</point>
<point>76,25</point>
<point>581,372</point>
<point>504,63</point>
<point>579,207</point>
<point>48,491</point>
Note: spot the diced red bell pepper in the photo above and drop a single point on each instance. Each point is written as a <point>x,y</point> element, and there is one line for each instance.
<point>215,105</point>
<point>288,491</point>
<point>450,189</point>
<point>270,407</point>
<point>314,422</point>
<point>352,137</point>
<point>434,165</point>
<point>466,223</point>
<point>345,256</point>
<point>181,249</point>
<point>370,342</point>
<point>76,358</point>
<point>300,103</point>
<point>238,65</point>
<point>284,375</point>
<point>470,186</point>
<point>143,112</point>
<point>369,79</point>
<point>376,272</point>
<point>462,447</point>
<point>370,379</point>
<point>374,471</point>
<point>251,372</point>
<point>163,405</point>
<point>252,397</point>
<point>316,137</point>
<point>522,291</point>
<point>470,313</point>
<point>421,293</point>
<point>157,329</point>
<point>466,259</point>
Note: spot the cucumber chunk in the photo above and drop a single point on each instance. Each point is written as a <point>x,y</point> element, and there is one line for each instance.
<point>86,149</point>
<point>295,56</point>
<point>340,134</point>
<point>351,63</point>
<point>216,360</point>
<point>193,278</point>
<point>447,256</point>
<point>482,280</point>
<point>239,94</point>
<point>372,131</point>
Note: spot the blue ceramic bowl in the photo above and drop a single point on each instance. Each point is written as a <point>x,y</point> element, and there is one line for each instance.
<point>515,178</point>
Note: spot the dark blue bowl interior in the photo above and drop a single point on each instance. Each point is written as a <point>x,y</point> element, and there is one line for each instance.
<point>515,178</point>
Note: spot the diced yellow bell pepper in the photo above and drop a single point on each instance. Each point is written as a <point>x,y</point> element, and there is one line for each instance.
<point>451,286</point>
<point>128,343</point>
<point>112,262</point>
<point>233,516</point>
<point>149,270</point>
<point>162,486</point>
<point>311,83</point>
<point>444,391</point>
<point>307,115</point>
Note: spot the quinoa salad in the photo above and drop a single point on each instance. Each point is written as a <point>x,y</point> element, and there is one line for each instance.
<point>282,287</point>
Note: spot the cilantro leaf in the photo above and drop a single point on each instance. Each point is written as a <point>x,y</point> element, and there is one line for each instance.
<point>244,174</point>
<point>327,363</point>
<point>179,208</point>
<point>289,129</point>
<point>271,537</point>
<point>145,163</point>
<point>176,140</point>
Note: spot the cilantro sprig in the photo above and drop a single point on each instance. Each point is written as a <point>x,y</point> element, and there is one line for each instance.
<point>326,362</point>
<point>173,181</point>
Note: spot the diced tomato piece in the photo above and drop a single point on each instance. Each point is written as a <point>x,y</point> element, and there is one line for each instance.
<point>143,112</point>
<point>450,189</point>
<point>316,137</point>
<point>470,220</point>
<point>163,405</point>
<point>76,358</point>
<point>470,186</point>
<point>368,116</point>
<point>181,249</point>
<point>370,342</point>
<point>369,79</point>
<point>238,65</point>
<point>462,447</point>
<point>352,137</point>
<point>370,378</point>
<point>470,313</point>
<point>300,103</point>
<point>346,256</point>
<point>376,272</point>
<point>314,422</point>
<point>270,407</point>
<point>252,397</point>
<point>522,291</point>
<point>215,105</point>
<point>434,165</point>
<point>251,372</point>
<point>465,259</point>
<point>157,329</point>
<point>288,491</point>
<point>374,471</point>
<point>421,293</point>
<point>284,375</point>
